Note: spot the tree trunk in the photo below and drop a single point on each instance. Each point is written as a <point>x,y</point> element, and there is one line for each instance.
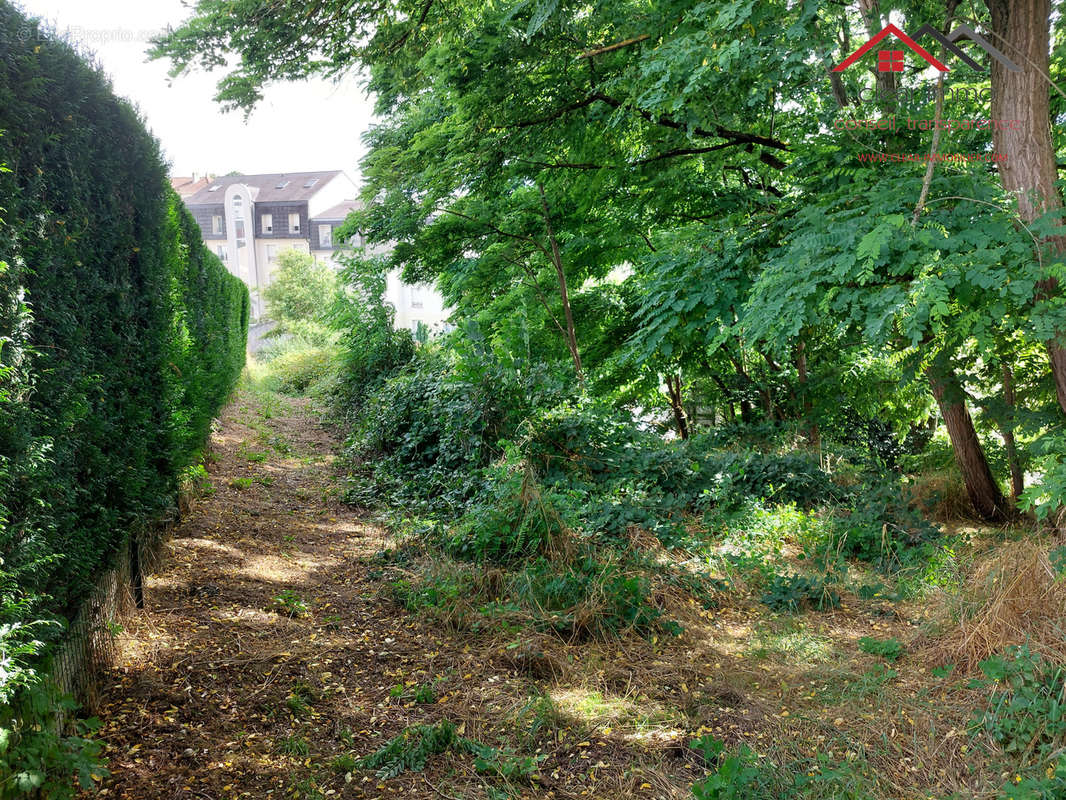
<point>557,260</point>
<point>885,81</point>
<point>1017,477</point>
<point>673,388</point>
<point>981,486</point>
<point>814,437</point>
<point>1021,29</point>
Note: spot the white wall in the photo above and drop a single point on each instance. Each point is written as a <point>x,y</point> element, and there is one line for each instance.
<point>338,190</point>
<point>415,304</point>
<point>267,267</point>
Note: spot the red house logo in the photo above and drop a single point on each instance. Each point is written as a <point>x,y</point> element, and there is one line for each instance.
<point>890,60</point>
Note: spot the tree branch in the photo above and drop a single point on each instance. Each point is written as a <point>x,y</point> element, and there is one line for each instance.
<point>611,47</point>
<point>494,229</point>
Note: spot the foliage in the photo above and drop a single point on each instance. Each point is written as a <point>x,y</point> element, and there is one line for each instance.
<point>297,367</point>
<point>794,593</point>
<point>743,775</point>
<point>372,349</point>
<point>889,649</point>
<point>879,525</point>
<point>298,292</point>
<point>736,777</point>
<point>410,750</point>
<point>38,760</point>
<point>289,602</point>
<point>1026,713</point>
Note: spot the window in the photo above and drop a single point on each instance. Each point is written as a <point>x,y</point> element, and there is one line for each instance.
<point>238,207</point>
<point>416,297</point>
<point>272,253</point>
<point>294,223</point>
<point>216,225</point>
<point>268,223</point>
<point>281,184</point>
<point>310,182</point>
<point>325,236</point>
<point>214,188</point>
<point>890,61</point>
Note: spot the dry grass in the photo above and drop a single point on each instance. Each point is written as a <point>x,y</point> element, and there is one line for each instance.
<point>942,496</point>
<point>1014,596</point>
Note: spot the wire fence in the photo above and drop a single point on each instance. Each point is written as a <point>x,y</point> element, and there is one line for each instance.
<point>90,644</point>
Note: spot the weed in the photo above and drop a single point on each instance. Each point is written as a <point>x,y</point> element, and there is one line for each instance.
<point>198,480</point>
<point>344,763</point>
<point>736,777</point>
<point>289,602</point>
<point>888,649</point>
<point>422,694</point>
<point>300,699</point>
<point>793,593</point>
<point>409,751</point>
<point>255,456</point>
<point>294,746</point>
<point>1026,713</point>
<point>306,789</point>
<point>241,483</point>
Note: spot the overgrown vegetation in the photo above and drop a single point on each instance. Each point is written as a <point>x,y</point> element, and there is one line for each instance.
<point>120,338</point>
<point>705,352</point>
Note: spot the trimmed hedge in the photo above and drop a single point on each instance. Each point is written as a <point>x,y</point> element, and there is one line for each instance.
<point>120,335</point>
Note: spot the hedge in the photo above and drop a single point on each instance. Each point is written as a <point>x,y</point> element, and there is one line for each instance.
<point>120,338</point>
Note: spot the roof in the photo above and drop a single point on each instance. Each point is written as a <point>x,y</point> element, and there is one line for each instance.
<point>276,187</point>
<point>339,211</point>
<point>188,186</point>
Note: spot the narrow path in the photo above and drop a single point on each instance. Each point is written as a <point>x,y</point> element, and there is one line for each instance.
<point>265,652</point>
<point>270,657</point>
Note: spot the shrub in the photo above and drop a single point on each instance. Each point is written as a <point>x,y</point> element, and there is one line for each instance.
<point>514,518</point>
<point>789,478</point>
<point>878,524</point>
<point>792,593</point>
<point>296,366</point>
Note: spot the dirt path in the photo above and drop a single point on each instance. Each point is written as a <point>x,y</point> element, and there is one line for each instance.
<point>268,658</point>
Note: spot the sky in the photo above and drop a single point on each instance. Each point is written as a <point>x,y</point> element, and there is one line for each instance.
<point>298,127</point>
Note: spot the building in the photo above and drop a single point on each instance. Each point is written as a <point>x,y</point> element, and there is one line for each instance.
<point>248,220</point>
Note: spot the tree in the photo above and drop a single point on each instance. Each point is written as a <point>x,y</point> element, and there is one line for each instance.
<point>1030,173</point>
<point>299,292</point>
<point>528,152</point>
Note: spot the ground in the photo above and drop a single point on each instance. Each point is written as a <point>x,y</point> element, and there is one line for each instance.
<point>270,657</point>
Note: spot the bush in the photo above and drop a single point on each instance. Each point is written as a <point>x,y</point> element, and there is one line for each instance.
<point>120,337</point>
<point>297,367</point>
